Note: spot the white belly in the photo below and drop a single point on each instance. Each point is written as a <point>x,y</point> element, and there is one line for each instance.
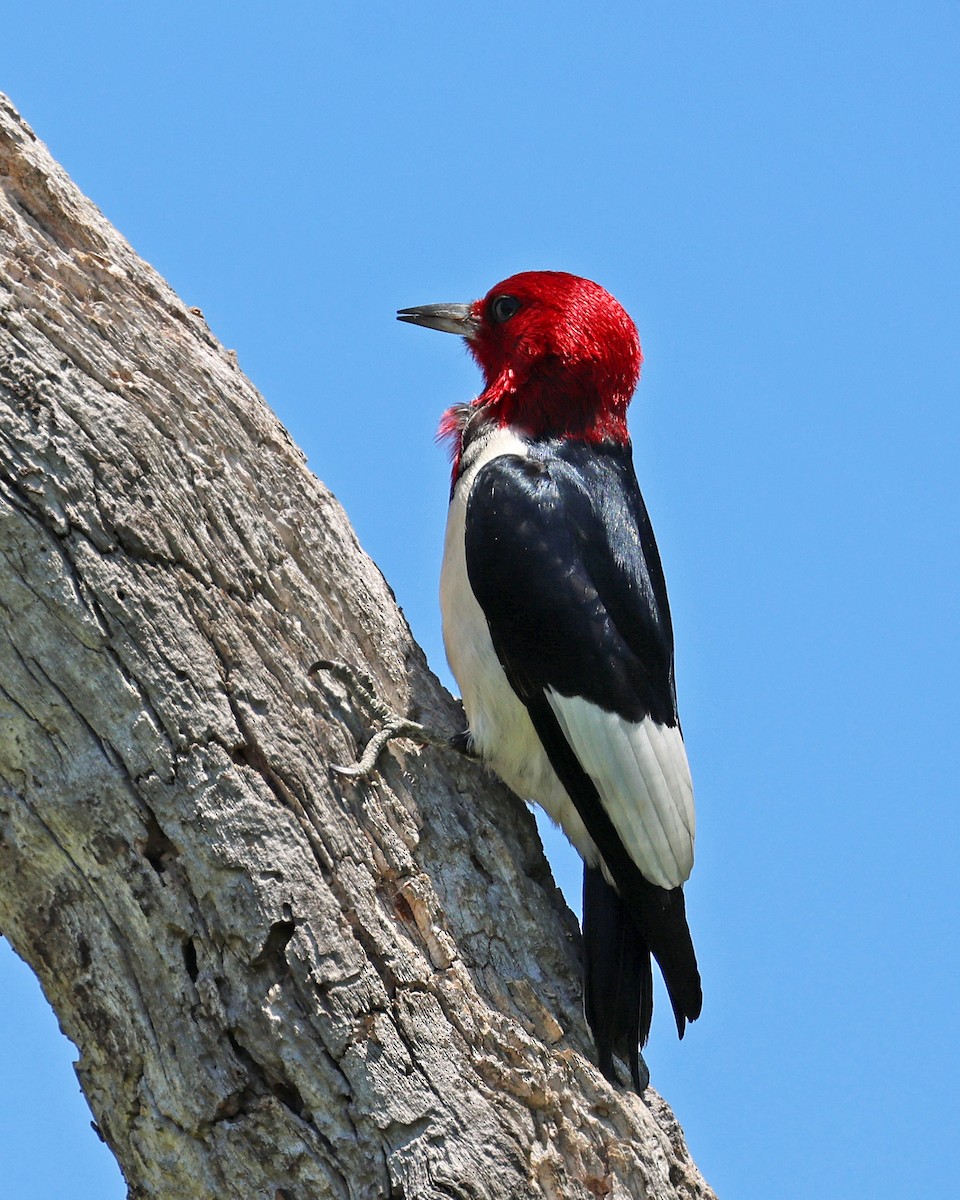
<point>500,728</point>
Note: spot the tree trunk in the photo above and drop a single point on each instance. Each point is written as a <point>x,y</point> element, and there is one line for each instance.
<point>283,985</point>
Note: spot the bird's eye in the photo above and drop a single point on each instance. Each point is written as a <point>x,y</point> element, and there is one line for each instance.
<point>502,308</point>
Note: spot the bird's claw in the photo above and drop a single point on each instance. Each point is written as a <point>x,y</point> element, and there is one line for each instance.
<point>393,726</point>
<point>350,772</point>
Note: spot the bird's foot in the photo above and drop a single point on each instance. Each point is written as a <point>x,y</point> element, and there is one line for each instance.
<point>392,724</point>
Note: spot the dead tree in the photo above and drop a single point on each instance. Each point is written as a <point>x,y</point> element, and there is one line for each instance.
<point>281,984</point>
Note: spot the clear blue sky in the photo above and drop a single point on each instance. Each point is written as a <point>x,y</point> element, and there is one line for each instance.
<point>773,192</point>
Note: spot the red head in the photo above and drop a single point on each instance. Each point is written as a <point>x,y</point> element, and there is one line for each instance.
<point>560,357</point>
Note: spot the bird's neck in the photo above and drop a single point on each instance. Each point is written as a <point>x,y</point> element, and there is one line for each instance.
<point>535,412</point>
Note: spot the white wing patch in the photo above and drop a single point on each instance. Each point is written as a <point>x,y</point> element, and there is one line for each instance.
<point>640,770</point>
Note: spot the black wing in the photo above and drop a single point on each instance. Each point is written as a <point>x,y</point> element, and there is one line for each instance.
<point>561,557</point>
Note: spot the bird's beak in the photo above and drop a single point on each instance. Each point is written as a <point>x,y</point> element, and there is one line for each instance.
<point>449,318</point>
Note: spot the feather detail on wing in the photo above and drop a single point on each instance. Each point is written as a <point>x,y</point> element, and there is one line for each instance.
<point>641,774</point>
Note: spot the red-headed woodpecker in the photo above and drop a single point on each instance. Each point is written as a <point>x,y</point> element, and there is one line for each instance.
<point>557,629</point>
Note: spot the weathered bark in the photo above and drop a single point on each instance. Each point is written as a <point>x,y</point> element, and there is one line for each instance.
<point>281,984</point>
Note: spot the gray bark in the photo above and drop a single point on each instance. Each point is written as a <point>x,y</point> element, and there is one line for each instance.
<point>281,984</point>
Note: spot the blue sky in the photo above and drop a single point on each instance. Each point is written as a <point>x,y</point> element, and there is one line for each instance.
<point>773,193</point>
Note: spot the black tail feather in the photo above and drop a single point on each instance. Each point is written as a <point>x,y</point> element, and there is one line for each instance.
<point>662,916</point>
<point>618,980</point>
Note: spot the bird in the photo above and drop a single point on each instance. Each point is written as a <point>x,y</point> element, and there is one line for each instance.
<point>557,628</point>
